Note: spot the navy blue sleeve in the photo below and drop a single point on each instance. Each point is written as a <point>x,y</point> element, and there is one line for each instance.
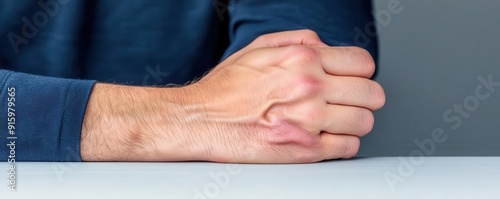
<point>45,115</point>
<point>338,22</point>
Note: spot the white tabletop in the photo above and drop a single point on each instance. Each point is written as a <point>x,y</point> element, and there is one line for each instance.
<point>384,177</point>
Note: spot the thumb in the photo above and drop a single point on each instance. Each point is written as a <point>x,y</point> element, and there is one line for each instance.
<point>280,39</point>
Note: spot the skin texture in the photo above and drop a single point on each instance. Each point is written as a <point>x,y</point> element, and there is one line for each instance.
<point>285,98</point>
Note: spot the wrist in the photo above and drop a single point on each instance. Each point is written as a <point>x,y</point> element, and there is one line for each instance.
<point>126,123</point>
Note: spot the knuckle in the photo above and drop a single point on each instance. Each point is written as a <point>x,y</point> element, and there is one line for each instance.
<point>307,85</point>
<point>364,58</point>
<point>361,121</point>
<point>309,32</point>
<point>378,95</point>
<point>366,120</point>
<point>371,92</point>
<point>262,38</point>
<point>350,147</point>
<point>314,114</point>
<point>301,55</point>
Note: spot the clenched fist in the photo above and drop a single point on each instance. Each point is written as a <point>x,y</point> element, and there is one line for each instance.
<point>285,98</point>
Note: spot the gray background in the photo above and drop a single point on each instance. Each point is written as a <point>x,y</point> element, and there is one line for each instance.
<point>431,55</point>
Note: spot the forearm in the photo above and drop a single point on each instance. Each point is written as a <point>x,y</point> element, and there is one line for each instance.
<point>127,123</point>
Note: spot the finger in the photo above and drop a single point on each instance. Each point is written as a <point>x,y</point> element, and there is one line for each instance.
<point>286,38</point>
<point>280,39</point>
<point>354,91</point>
<point>338,146</point>
<point>347,61</point>
<point>348,120</point>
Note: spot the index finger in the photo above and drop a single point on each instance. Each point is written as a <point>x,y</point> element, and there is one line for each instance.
<point>347,61</point>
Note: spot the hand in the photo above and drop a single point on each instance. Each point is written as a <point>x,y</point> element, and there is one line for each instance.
<point>271,102</point>
<point>288,104</point>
